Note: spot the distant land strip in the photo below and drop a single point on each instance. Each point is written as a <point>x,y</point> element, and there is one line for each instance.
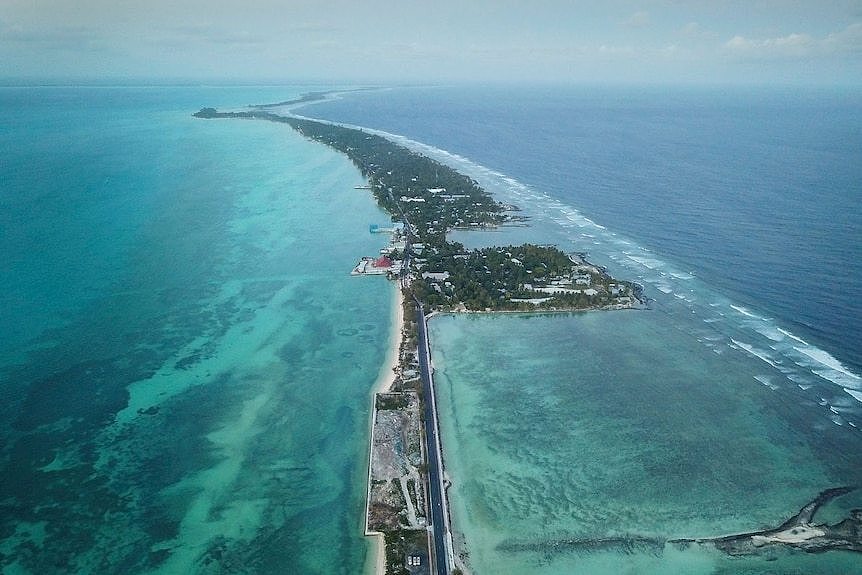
<point>426,199</point>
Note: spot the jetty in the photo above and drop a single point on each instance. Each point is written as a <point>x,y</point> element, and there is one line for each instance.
<point>392,259</point>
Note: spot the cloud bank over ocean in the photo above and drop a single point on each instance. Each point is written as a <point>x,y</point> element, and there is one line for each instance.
<point>386,41</point>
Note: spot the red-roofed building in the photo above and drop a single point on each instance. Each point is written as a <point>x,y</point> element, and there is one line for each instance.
<point>382,262</point>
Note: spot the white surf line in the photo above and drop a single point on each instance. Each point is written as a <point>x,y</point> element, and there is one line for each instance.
<point>826,359</point>
<point>793,337</point>
<point>746,312</point>
<point>645,258</point>
<point>755,352</point>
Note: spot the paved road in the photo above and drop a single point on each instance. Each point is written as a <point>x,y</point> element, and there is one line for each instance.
<point>439,513</point>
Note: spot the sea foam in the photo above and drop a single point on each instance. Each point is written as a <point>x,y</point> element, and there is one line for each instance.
<point>759,354</point>
<point>744,311</point>
<point>644,264</point>
<point>835,371</point>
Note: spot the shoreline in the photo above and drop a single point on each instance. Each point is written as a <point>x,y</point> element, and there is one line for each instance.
<point>410,204</point>
<point>386,376</point>
<point>375,563</point>
<point>465,204</point>
<point>459,551</point>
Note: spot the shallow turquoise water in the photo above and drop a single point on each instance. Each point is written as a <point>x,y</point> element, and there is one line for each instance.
<point>623,426</point>
<point>695,180</point>
<point>187,372</point>
<point>733,401</point>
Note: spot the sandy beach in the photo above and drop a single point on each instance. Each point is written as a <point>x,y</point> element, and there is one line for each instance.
<point>376,563</point>
<point>386,377</point>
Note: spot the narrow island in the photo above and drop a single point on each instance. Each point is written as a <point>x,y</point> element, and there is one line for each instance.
<point>800,532</point>
<point>428,199</point>
<point>406,501</point>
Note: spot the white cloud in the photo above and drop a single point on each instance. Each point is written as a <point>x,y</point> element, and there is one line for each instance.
<point>51,38</point>
<point>799,45</point>
<point>639,19</point>
<point>848,40</point>
<point>612,50</point>
<point>692,29</point>
<point>696,31</point>
<point>210,34</point>
<point>791,45</point>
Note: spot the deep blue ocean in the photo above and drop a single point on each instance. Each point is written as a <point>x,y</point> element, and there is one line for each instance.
<point>186,364</point>
<point>723,408</point>
<point>756,191</point>
<point>729,403</point>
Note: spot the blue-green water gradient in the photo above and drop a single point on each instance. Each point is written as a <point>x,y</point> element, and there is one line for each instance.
<point>185,361</point>
<point>621,428</point>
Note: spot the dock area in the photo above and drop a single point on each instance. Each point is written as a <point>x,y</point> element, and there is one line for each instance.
<point>390,262</point>
<point>383,265</point>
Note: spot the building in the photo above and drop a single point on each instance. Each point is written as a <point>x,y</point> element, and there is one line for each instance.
<point>382,262</point>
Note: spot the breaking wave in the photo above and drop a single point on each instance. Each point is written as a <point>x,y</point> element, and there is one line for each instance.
<point>805,367</point>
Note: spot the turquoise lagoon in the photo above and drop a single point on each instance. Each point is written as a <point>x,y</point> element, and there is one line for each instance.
<point>620,425</point>
<point>703,416</point>
<point>186,361</point>
<point>185,368</point>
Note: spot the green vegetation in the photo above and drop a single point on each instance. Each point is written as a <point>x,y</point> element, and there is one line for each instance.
<point>400,543</point>
<point>517,278</point>
<point>411,491</point>
<point>429,195</point>
<point>392,401</point>
<point>431,198</point>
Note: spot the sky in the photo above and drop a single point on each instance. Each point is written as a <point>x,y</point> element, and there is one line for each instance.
<point>405,41</point>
